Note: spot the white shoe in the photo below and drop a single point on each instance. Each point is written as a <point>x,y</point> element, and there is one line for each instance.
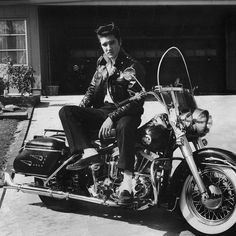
<point>89,152</point>
<point>90,156</point>
<point>127,182</point>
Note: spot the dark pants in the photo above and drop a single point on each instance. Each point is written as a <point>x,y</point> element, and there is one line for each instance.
<point>78,122</point>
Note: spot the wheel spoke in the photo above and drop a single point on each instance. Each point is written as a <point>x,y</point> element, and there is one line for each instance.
<point>223,198</point>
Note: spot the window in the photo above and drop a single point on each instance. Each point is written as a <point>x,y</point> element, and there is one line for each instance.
<point>13,41</point>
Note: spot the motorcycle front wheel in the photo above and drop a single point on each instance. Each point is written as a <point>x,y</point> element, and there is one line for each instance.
<point>216,214</point>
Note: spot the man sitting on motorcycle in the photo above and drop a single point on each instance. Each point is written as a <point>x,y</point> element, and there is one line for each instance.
<point>116,76</point>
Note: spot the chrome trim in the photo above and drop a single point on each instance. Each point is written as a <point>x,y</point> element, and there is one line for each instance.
<point>142,175</point>
<point>33,175</point>
<point>62,140</point>
<point>228,164</point>
<point>188,155</point>
<point>9,184</point>
<point>217,152</point>
<point>26,162</point>
<point>39,177</point>
<point>175,102</point>
<point>40,149</point>
<point>155,185</point>
<point>59,168</point>
<point>169,88</point>
<point>220,165</point>
<point>198,144</point>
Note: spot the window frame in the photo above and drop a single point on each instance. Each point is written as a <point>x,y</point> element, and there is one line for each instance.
<point>26,50</point>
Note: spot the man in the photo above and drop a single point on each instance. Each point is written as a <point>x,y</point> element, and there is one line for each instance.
<point>117,74</point>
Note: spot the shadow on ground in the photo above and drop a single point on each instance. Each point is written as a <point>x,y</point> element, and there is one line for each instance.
<point>155,218</point>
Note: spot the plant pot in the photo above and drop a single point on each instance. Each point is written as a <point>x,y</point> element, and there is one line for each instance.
<point>5,92</point>
<point>36,91</point>
<point>52,90</point>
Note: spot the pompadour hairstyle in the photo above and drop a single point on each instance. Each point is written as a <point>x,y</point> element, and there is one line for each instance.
<point>109,29</point>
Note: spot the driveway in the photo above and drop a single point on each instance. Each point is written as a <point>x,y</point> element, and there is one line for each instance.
<point>24,214</point>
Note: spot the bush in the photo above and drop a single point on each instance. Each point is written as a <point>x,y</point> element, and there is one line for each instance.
<point>2,86</point>
<point>19,77</point>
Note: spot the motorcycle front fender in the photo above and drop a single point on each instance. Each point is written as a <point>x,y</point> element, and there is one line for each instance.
<point>205,156</point>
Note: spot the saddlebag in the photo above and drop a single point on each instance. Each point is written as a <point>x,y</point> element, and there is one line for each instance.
<point>41,156</point>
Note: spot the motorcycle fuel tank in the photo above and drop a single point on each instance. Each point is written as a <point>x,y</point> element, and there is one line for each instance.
<point>40,156</point>
<point>155,134</point>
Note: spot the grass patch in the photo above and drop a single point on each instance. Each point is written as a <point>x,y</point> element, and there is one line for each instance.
<point>7,130</point>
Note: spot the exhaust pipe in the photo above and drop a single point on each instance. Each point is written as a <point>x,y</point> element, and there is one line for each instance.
<point>9,184</point>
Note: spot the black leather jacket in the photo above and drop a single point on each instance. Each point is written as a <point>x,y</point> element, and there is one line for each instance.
<point>119,85</point>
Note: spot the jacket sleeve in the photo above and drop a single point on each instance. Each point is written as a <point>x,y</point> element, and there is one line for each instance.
<point>131,74</point>
<point>133,108</point>
<point>87,100</point>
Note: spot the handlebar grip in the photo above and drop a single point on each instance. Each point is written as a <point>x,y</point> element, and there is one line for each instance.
<point>124,102</point>
<point>136,97</point>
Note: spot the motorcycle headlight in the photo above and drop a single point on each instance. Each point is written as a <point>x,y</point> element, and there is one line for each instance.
<point>201,121</point>
<point>210,122</point>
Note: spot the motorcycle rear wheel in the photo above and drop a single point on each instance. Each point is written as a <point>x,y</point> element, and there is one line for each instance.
<point>54,203</point>
<point>218,213</point>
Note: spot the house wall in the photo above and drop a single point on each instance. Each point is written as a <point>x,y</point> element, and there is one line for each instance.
<point>231,54</point>
<point>147,31</point>
<point>54,33</point>
<point>30,13</point>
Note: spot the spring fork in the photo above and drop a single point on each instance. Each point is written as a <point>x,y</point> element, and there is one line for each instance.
<point>154,185</point>
<point>188,155</point>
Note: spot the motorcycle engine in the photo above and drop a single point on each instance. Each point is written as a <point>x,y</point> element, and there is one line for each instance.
<point>108,186</point>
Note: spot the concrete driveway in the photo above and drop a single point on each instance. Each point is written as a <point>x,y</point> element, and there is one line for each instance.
<point>24,214</point>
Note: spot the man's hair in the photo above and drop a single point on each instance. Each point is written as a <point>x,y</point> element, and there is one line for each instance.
<point>109,29</point>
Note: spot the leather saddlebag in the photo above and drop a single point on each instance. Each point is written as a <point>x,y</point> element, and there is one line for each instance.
<point>41,156</point>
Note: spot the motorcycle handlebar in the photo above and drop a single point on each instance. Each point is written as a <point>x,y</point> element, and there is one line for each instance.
<point>136,97</point>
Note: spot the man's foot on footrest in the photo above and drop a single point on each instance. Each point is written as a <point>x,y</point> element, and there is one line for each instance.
<point>83,162</point>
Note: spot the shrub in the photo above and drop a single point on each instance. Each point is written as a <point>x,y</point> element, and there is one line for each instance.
<point>19,77</point>
<point>2,86</point>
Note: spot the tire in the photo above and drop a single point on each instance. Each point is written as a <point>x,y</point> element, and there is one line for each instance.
<point>54,203</point>
<point>218,214</point>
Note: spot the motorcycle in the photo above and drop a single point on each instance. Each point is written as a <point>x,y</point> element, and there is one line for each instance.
<point>202,185</point>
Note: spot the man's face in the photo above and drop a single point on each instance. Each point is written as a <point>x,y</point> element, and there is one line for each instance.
<point>110,46</point>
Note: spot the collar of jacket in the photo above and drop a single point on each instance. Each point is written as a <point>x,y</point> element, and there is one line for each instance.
<point>122,56</point>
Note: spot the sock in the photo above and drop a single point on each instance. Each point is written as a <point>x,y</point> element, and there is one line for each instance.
<point>127,181</point>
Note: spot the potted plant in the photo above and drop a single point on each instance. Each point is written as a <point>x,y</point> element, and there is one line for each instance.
<point>19,77</point>
<point>2,86</point>
<point>52,90</point>
<point>3,82</point>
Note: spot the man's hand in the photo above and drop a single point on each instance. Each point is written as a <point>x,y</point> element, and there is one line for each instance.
<point>111,70</point>
<point>105,128</point>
